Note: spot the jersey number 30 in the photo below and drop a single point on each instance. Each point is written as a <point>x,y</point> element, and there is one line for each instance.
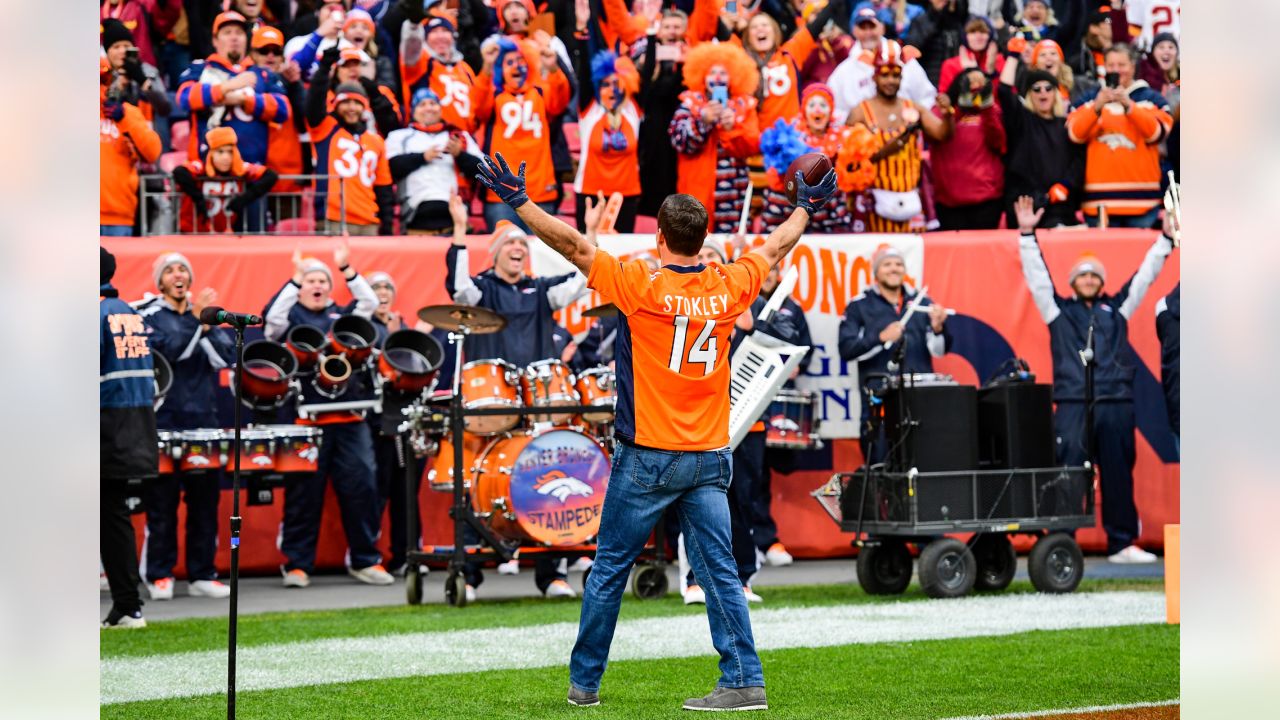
<point>703,350</point>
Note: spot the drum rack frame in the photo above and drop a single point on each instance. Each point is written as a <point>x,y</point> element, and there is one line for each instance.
<point>649,581</point>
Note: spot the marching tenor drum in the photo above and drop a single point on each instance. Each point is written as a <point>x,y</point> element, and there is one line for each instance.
<point>549,383</point>
<point>792,420</point>
<point>297,448</point>
<point>269,368</point>
<point>545,485</point>
<point>490,384</point>
<point>257,450</point>
<point>410,360</point>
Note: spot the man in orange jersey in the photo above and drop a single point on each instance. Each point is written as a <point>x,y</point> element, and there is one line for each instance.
<point>429,58</point>
<point>359,198</point>
<point>672,419</point>
<point>124,137</point>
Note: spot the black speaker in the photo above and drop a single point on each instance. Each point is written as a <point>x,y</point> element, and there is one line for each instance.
<point>932,428</point>
<point>1015,426</point>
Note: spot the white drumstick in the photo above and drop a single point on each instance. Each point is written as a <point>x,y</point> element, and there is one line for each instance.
<point>746,210</point>
<point>1173,206</point>
<point>780,293</point>
<point>911,310</point>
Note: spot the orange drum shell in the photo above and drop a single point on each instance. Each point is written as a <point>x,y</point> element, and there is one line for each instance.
<point>440,474</point>
<point>487,384</point>
<point>200,454</point>
<point>257,453</point>
<point>555,388</point>
<point>166,443</point>
<point>296,454</point>
<point>591,393</point>
<point>492,481</point>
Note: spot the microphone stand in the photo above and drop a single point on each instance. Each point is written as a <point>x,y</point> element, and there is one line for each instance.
<point>235,529</point>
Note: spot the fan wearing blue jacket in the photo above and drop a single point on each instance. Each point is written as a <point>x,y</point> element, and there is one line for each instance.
<point>196,352</point>
<point>126,440</point>
<point>874,318</point>
<point>1071,320</point>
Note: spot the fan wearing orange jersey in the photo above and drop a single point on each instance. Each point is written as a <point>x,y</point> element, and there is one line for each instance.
<point>609,125</point>
<point>779,62</point>
<point>672,421</point>
<point>515,96</point>
<point>354,157</point>
<point>429,58</point>
<point>716,129</point>
<point>218,189</point>
<point>124,137</point>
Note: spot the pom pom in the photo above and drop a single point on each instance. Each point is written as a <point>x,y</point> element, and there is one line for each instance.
<point>781,145</point>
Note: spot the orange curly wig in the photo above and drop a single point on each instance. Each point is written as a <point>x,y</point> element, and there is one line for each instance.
<point>744,76</point>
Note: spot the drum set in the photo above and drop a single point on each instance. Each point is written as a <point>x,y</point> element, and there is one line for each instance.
<point>531,446</point>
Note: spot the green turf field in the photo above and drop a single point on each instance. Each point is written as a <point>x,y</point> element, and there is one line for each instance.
<point>924,679</point>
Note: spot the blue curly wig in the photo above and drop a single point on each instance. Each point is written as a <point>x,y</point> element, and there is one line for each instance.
<point>603,64</point>
<point>781,144</point>
<point>505,45</point>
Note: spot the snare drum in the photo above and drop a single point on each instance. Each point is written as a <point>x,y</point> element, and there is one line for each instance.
<point>199,450</point>
<point>544,485</point>
<point>791,420</point>
<point>488,384</point>
<point>549,383</point>
<point>597,388</point>
<point>257,450</point>
<point>297,448</point>
<point>167,447</point>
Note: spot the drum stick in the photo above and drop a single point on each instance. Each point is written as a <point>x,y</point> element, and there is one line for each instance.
<point>911,310</point>
<point>780,293</point>
<point>1173,206</point>
<point>746,210</point>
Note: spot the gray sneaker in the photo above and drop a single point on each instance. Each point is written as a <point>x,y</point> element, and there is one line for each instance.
<point>725,698</point>
<point>582,698</point>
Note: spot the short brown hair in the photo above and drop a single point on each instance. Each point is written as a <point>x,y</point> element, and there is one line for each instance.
<point>683,222</point>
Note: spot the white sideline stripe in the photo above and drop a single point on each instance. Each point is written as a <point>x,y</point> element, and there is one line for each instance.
<point>346,659</point>
<point>1071,711</point>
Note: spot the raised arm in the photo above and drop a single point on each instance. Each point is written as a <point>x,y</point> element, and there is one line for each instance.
<point>557,234</point>
<point>809,199</point>
<point>1034,268</point>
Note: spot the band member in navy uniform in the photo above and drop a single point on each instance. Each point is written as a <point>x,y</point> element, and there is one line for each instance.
<point>197,353</point>
<point>127,440</point>
<point>346,447</point>
<point>527,304</point>
<point>1091,313</point>
<point>1168,329</point>
<point>874,318</point>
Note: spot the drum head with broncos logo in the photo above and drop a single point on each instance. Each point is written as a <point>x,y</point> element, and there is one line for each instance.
<point>558,485</point>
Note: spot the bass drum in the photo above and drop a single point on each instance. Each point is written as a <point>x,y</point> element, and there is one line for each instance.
<point>544,485</point>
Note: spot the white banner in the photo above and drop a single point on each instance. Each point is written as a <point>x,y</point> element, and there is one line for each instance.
<point>833,270</point>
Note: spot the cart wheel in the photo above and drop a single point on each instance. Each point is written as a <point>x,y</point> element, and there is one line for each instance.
<point>455,589</point>
<point>413,585</point>
<point>1056,564</point>
<point>649,583</point>
<point>884,569</point>
<point>997,562</point>
<point>947,569</point>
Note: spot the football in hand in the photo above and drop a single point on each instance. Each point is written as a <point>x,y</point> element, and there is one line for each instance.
<point>812,166</point>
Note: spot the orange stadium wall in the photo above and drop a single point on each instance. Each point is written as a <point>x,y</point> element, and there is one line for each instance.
<point>976,273</point>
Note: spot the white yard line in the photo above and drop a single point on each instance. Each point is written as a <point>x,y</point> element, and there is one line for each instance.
<point>1070,711</point>
<point>335,660</point>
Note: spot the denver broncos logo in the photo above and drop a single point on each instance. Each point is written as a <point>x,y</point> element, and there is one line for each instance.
<point>1117,141</point>
<point>561,486</point>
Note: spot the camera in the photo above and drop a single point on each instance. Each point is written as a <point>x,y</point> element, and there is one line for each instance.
<point>1113,80</point>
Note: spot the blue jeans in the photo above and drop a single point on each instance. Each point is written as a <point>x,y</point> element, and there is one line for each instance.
<point>643,482</point>
<point>495,211</point>
<point>1145,221</point>
<point>115,230</point>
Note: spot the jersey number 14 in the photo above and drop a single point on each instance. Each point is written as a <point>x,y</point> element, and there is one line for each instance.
<point>703,350</point>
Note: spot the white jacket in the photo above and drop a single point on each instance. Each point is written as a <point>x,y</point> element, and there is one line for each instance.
<point>437,179</point>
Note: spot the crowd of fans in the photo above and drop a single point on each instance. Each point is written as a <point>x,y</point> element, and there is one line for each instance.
<point>938,113</point>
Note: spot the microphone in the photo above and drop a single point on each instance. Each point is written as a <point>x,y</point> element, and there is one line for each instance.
<point>218,316</point>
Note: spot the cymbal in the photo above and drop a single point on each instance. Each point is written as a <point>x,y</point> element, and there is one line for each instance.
<point>478,320</point>
<point>601,311</point>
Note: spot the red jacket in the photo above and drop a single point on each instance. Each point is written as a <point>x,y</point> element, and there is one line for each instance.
<point>967,168</point>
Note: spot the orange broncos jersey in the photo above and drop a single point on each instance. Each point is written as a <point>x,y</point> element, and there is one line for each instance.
<point>517,125</point>
<point>451,83</point>
<point>672,350</point>
<point>355,164</point>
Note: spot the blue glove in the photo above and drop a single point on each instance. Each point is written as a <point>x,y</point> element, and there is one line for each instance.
<point>813,197</point>
<point>113,109</point>
<point>501,182</point>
